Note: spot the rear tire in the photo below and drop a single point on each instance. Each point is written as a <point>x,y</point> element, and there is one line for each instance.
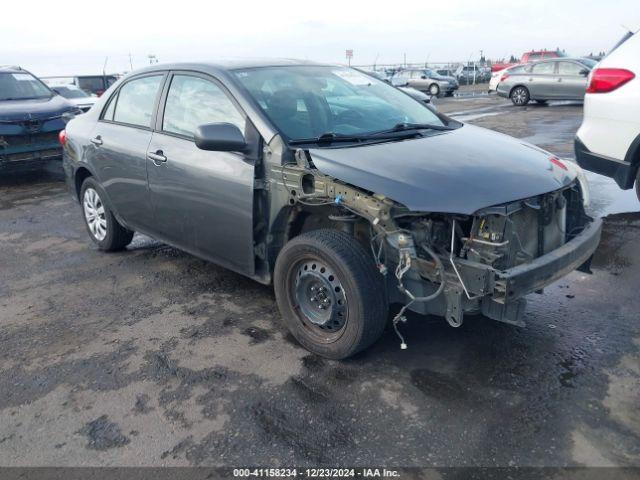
<point>520,96</point>
<point>331,296</point>
<point>434,89</point>
<point>638,183</point>
<point>103,228</point>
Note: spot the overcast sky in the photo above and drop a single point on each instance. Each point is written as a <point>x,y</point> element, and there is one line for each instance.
<point>76,36</point>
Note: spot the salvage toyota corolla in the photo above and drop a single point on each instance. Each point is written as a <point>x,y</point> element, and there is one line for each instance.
<point>343,191</point>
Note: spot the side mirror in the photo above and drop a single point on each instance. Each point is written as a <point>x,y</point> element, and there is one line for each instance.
<point>220,137</point>
<point>423,77</point>
<point>585,72</point>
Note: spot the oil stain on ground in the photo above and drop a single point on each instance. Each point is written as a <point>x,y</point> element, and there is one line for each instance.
<point>103,434</point>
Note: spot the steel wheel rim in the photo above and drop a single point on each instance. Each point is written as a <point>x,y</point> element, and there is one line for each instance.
<point>433,90</point>
<point>319,298</point>
<point>94,214</point>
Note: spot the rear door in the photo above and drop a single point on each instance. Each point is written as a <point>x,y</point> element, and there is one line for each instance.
<point>120,142</point>
<point>570,82</point>
<point>202,200</point>
<point>541,81</point>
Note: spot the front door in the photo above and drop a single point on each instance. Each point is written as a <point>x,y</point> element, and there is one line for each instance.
<point>571,82</point>
<point>202,200</point>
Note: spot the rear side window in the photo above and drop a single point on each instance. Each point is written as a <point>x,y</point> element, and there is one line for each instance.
<point>136,100</point>
<point>194,101</point>
<point>544,68</point>
<point>108,113</point>
<point>569,68</point>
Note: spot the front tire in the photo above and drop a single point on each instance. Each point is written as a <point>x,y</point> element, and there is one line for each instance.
<point>434,90</point>
<point>520,96</point>
<point>330,294</point>
<point>103,228</point>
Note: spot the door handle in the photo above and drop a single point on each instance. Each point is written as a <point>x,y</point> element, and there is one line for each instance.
<point>97,140</point>
<point>157,158</point>
<point>531,79</point>
<point>559,80</point>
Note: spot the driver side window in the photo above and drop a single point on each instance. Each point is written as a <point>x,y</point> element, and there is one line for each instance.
<point>194,101</point>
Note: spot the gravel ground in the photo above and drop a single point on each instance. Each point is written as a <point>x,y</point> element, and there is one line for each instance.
<point>153,357</point>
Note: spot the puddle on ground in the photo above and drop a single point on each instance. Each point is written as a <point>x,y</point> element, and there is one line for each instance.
<point>608,198</point>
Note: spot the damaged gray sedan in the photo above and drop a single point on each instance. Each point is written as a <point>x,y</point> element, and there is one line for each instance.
<point>344,192</point>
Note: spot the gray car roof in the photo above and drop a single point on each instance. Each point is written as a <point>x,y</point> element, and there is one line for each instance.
<point>558,59</point>
<point>227,65</point>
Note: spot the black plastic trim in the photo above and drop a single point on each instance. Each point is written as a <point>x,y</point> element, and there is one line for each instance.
<point>542,271</point>
<point>623,172</point>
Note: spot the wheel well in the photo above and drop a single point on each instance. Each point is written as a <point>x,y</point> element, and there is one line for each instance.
<point>516,86</point>
<point>633,157</point>
<point>81,175</point>
<point>293,221</point>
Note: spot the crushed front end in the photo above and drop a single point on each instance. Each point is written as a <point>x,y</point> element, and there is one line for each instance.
<point>452,264</point>
<point>493,259</point>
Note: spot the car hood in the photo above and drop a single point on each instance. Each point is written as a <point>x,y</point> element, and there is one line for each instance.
<point>457,171</point>
<point>36,109</point>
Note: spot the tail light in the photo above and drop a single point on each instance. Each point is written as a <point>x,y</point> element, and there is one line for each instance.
<point>504,77</point>
<point>605,80</point>
<point>62,137</point>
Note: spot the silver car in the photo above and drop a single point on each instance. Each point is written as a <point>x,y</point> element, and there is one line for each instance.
<point>429,81</point>
<point>553,79</point>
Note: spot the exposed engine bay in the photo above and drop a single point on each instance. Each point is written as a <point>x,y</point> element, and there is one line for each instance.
<point>448,264</point>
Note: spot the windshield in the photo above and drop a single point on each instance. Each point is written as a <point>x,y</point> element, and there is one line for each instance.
<point>310,101</point>
<point>21,86</point>
<point>70,92</point>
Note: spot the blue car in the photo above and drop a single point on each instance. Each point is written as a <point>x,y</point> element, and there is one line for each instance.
<point>31,117</point>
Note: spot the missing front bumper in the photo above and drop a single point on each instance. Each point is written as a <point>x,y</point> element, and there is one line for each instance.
<point>540,272</point>
<point>507,303</point>
<point>499,295</point>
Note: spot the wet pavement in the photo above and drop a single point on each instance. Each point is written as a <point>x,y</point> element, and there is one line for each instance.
<point>153,357</point>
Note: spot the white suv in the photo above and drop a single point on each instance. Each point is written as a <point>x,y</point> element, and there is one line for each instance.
<point>608,142</point>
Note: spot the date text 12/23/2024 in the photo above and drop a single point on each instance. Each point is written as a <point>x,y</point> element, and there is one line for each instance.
<point>316,472</point>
